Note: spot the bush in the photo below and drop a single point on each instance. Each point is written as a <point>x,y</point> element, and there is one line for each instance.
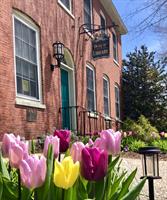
<point>132,144</point>
<point>161,144</point>
<point>142,129</point>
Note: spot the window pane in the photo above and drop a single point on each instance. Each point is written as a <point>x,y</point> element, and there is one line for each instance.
<point>106,96</point>
<point>87,13</point>
<point>117,102</point>
<point>90,89</point>
<point>103,23</point>
<point>26,59</point>
<point>66,3</point>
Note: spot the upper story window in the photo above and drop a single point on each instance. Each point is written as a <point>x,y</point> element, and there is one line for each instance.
<point>106,96</point>
<point>117,101</point>
<point>91,95</point>
<point>115,47</point>
<point>88,13</point>
<point>102,22</point>
<point>26,36</point>
<point>66,4</point>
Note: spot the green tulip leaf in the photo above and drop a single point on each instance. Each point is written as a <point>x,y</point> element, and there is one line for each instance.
<point>112,164</point>
<point>133,193</point>
<point>3,168</point>
<point>10,190</point>
<point>126,184</point>
<point>100,189</point>
<point>1,186</point>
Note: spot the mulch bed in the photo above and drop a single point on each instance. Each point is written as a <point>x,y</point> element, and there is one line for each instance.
<point>163,156</point>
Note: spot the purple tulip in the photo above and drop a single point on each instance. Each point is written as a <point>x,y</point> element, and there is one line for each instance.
<point>110,141</point>
<point>33,171</point>
<point>54,140</point>
<point>76,150</point>
<point>64,136</point>
<point>94,164</point>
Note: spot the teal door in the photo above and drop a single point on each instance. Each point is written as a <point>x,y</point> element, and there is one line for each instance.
<point>65,99</point>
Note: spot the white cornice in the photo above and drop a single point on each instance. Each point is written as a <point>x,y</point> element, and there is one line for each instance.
<point>113,13</point>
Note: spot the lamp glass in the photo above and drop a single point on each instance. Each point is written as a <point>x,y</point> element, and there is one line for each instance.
<point>58,49</point>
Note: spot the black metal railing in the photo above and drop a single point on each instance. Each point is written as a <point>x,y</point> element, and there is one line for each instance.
<point>85,122</point>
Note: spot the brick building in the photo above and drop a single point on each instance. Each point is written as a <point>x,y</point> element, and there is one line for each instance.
<point>84,93</point>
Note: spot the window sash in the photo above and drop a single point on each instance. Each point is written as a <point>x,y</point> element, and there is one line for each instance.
<point>117,102</point>
<point>103,23</point>
<point>26,60</point>
<point>106,96</point>
<point>87,13</point>
<point>115,47</point>
<point>90,89</point>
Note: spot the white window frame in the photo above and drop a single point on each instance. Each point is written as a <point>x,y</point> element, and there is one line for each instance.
<point>102,14</point>
<point>91,14</point>
<point>108,83</point>
<point>94,87</point>
<point>69,11</point>
<point>115,59</point>
<point>22,99</point>
<point>119,108</point>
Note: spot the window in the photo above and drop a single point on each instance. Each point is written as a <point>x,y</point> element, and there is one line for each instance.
<point>88,13</point>
<point>66,3</point>
<point>106,96</point>
<point>102,22</point>
<point>91,104</point>
<point>117,101</point>
<point>26,59</point>
<point>115,47</point>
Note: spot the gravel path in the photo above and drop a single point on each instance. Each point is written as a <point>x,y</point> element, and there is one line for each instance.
<point>160,185</point>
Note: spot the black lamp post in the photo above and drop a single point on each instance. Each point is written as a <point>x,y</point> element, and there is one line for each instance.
<point>58,53</point>
<point>150,164</point>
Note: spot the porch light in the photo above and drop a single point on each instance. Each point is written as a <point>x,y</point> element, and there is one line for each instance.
<point>150,165</point>
<point>58,54</point>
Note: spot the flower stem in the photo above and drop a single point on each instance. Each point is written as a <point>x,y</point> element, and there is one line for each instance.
<point>19,185</point>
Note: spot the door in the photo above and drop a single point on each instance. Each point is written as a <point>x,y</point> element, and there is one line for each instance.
<point>65,99</point>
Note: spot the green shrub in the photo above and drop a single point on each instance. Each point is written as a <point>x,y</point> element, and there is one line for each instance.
<point>132,144</point>
<point>161,144</point>
<point>142,129</point>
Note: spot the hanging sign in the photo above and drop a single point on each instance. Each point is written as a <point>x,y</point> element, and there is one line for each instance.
<point>101,47</point>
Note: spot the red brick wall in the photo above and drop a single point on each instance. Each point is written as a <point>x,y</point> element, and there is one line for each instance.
<point>54,24</point>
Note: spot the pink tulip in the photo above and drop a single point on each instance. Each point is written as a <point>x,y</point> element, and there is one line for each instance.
<point>17,152</point>
<point>55,141</point>
<point>76,150</point>
<point>33,171</point>
<point>7,140</point>
<point>110,141</point>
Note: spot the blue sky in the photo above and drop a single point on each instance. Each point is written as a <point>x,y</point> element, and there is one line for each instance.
<point>132,39</point>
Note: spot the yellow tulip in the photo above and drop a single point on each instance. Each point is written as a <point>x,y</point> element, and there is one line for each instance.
<point>65,173</point>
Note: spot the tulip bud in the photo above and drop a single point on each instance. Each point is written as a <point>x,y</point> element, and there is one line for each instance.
<point>94,164</point>
<point>76,150</point>
<point>33,171</point>
<point>64,136</point>
<point>65,173</point>
<point>54,140</point>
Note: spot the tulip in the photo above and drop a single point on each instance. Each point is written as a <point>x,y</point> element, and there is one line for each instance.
<point>94,164</point>
<point>33,171</point>
<point>65,173</point>
<point>7,140</point>
<point>54,140</point>
<point>110,141</point>
<point>64,136</point>
<point>76,150</point>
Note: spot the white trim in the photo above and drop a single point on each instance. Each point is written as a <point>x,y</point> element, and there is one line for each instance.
<point>69,11</point>
<point>92,115</point>
<point>29,103</point>
<point>94,88</point>
<point>108,82</point>
<point>29,23</point>
<point>116,62</point>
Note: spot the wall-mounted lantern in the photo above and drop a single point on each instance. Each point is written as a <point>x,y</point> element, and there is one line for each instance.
<point>58,54</point>
<point>150,164</point>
